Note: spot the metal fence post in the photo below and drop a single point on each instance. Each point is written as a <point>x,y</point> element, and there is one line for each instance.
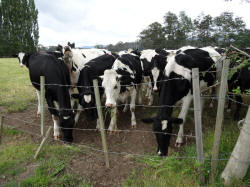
<point>42,96</point>
<point>219,119</point>
<point>100,116</point>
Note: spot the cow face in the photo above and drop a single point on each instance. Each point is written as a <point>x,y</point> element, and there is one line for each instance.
<point>20,57</point>
<point>67,123</point>
<point>112,87</point>
<point>163,130</point>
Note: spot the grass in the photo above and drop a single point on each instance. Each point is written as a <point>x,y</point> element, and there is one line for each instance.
<point>50,169</point>
<point>16,92</point>
<point>172,171</point>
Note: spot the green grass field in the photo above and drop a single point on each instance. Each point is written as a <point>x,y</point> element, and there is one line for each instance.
<point>51,169</point>
<point>16,92</point>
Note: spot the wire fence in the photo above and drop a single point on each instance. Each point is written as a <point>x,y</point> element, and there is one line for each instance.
<point>144,156</point>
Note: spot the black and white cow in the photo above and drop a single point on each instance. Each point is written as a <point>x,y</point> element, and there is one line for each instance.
<point>57,96</point>
<point>92,70</point>
<point>177,85</point>
<point>120,82</point>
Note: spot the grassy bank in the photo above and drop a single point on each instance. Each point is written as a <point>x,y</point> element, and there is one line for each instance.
<point>16,92</point>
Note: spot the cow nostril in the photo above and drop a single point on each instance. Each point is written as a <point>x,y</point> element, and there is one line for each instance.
<point>109,105</point>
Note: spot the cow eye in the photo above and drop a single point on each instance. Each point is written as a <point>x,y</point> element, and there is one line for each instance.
<point>115,87</point>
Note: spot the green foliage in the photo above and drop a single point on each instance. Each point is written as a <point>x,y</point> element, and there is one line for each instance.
<point>180,30</point>
<point>18,27</point>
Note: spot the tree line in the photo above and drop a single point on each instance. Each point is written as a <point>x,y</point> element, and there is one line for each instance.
<point>180,30</point>
<point>18,26</point>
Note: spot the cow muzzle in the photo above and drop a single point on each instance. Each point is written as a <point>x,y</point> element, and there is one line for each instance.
<point>109,105</point>
<point>155,89</point>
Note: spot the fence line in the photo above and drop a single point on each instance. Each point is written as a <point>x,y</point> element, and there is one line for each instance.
<point>120,153</point>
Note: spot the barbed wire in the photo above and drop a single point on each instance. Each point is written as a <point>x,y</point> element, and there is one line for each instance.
<point>126,153</point>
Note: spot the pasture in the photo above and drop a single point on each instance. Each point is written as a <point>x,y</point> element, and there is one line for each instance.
<point>133,156</point>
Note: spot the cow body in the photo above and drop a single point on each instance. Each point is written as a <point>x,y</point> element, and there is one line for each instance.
<point>92,70</point>
<point>120,82</point>
<point>177,85</point>
<point>57,96</point>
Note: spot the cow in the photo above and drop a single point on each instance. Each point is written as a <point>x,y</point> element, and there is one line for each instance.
<point>240,78</point>
<point>177,85</point>
<point>120,82</point>
<point>57,95</point>
<point>154,62</point>
<point>94,69</point>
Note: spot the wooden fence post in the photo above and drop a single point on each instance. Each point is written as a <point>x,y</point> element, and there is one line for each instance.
<point>197,117</point>
<point>197,114</point>
<point>238,163</point>
<point>43,142</point>
<point>1,128</point>
<point>42,96</point>
<point>219,119</point>
<point>100,116</point>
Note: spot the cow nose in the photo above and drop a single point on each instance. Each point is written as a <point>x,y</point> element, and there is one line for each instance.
<point>155,89</point>
<point>21,65</point>
<point>109,105</point>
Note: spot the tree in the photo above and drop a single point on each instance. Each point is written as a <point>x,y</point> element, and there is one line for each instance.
<point>203,29</point>
<point>19,27</point>
<point>153,36</point>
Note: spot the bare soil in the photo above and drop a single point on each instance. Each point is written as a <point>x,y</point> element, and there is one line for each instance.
<point>124,147</point>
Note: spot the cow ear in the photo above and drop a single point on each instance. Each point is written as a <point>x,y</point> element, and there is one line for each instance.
<point>176,120</point>
<point>75,96</point>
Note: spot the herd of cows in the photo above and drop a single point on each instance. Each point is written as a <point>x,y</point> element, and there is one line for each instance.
<point>121,76</point>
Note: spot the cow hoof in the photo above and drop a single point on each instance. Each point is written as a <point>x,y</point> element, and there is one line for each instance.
<point>133,126</point>
<point>57,137</point>
<point>177,144</point>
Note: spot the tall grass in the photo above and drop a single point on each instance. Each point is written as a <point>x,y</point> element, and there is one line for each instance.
<point>16,92</point>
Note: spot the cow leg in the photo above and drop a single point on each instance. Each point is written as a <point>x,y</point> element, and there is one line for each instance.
<point>149,94</point>
<point>39,103</point>
<point>56,127</point>
<point>139,89</point>
<point>78,112</point>
<point>132,108</point>
<point>97,123</point>
<point>113,122</point>
<point>184,110</point>
<point>238,107</point>
<point>125,109</point>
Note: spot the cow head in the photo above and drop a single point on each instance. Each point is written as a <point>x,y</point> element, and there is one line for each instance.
<point>68,60</point>
<point>67,123</point>
<point>158,64</point>
<point>63,47</point>
<point>112,87</point>
<point>163,130</point>
<point>20,57</point>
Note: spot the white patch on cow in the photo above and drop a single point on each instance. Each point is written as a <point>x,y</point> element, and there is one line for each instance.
<point>212,53</point>
<point>164,124</point>
<point>148,54</point>
<point>119,65</point>
<point>155,72</point>
<point>186,48</point>
<point>79,110</point>
<point>56,105</point>
<point>111,86</point>
<point>56,126</point>
<point>20,56</point>
<point>172,66</point>
<point>66,117</point>
<point>159,152</point>
<point>87,98</point>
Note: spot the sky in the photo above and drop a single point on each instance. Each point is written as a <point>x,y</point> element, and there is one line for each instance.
<point>92,22</point>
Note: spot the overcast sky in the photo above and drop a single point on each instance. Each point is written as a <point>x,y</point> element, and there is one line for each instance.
<point>91,22</point>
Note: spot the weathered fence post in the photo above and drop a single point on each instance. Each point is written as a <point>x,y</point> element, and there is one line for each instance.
<point>1,128</point>
<point>219,118</point>
<point>43,142</point>
<point>197,117</point>
<point>240,158</point>
<point>100,116</point>
<point>42,96</point>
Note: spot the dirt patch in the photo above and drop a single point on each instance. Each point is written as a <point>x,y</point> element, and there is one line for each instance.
<point>124,147</point>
